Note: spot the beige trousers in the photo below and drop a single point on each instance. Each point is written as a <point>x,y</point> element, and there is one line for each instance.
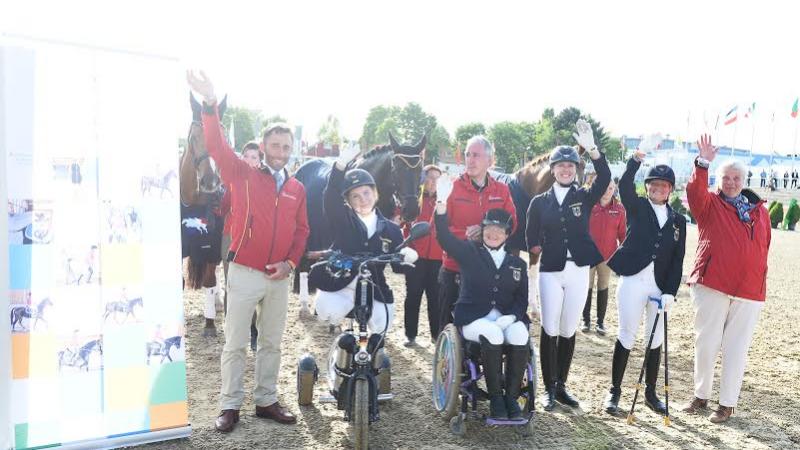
<point>250,290</point>
<point>726,323</point>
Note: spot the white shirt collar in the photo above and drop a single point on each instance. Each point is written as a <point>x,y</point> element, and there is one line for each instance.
<point>370,221</point>
<point>560,192</point>
<point>497,255</point>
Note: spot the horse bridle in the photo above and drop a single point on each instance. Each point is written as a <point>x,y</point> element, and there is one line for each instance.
<point>196,159</point>
<point>405,158</point>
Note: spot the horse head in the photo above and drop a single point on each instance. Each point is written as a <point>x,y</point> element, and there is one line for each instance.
<point>198,173</point>
<point>406,175</point>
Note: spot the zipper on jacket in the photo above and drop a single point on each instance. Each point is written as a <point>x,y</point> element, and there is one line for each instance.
<point>275,220</point>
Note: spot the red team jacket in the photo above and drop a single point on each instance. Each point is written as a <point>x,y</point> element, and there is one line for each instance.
<point>267,226</point>
<point>731,254</point>
<point>427,247</point>
<point>466,206</point>
<point>607,227</point>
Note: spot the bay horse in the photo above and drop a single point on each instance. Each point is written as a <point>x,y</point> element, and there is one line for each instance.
<point>200,193</point>
<point>397,172</point>
<point>529,181</point>
<point>155,348</point>
<point>80,358</point>
<point>18,313</point>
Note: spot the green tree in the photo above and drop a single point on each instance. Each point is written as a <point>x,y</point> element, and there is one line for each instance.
<point>613,150</point>
<point>466,131</point>
<point>245,122</point>
<point>408,124</point>
<point>564,125</point>
<point>513,143</point>
<point>438,144</point>
<point>329,132</point>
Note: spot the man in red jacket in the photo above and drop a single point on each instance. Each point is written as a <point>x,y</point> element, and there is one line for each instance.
<point>269,229</point>
<point>422,277</point>
<point>473,194</point>
<point>729,279</point>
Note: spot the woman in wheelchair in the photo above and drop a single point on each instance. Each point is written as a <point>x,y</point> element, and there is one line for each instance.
<point>492,305</point>
<point>358,228</point>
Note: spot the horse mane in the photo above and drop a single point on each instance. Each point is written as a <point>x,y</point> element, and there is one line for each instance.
<point>378,150</point>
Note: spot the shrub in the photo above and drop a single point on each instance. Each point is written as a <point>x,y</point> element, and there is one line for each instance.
<point>792,215</point>
<point>776,215</point>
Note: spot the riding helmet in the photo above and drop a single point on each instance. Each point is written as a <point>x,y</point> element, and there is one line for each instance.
<point>564,153</point>
<point>356,178</point>
<point>498,217</point>
<point>661,172</point>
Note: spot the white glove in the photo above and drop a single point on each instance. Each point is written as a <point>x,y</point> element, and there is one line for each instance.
<point>667,300</point>
<point>444,186</point>
<point>533,290</point>
<point>347,154</point>
<point>650,142</point>
<point>585,138</point>
<point>504,321</point>
<point>409,255</point>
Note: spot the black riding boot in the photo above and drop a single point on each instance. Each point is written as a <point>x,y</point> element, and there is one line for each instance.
<point>587,311</point>
<point>547,357</point>
<point>516,363</point>
<point>651,375</point>
<point>621,354</point>
<point>602,305</point>
<point>492,359</point>
<point>566,348</point>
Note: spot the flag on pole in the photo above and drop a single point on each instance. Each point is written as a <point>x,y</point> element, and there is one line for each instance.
<point>750,110</point>
<point>732,115</point>
<point>794,108</point>
<point>716,124</point>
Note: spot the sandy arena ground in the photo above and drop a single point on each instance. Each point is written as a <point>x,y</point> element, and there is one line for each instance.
<point>765,418</point>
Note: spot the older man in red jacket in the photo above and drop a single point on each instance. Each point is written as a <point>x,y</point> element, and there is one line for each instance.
<point>729,279</point>
<point>473,194</point>
<point>269,229</point>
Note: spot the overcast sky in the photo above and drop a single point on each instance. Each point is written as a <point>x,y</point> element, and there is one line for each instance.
<point>638,67</point>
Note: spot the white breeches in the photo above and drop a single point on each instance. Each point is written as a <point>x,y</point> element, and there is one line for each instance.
<point>633,293</point>
<point>334,306</point>
<point>563,295</point>
<point>515,334</point>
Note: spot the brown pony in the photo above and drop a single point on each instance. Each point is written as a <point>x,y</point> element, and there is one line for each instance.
<point>200,193</point>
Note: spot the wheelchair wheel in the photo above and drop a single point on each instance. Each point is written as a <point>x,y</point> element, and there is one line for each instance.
<point>447,367</point>
<point>529,383</point>
<point>360,415</point>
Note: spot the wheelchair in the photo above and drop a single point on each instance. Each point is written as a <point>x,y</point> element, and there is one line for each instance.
<point>456,392</point>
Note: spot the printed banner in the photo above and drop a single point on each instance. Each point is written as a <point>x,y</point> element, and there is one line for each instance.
<point>94,290</point>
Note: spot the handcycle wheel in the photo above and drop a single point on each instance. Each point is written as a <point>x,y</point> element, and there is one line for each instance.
<point>458,426</point>
<point>360,415</point>
<point>447,367</point>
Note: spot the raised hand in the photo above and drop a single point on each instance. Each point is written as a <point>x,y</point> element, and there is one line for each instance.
<point>347,154</point>
<point>585,138</point>
<point>706,149</point>
<point>650,142</point>
<point>444,186</point>
<point>201,84</point>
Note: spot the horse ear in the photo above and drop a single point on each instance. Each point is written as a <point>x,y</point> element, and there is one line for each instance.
<point>195,107</point>
<point>422,142</point>
<point>223,105</point>
<point>393,142</point>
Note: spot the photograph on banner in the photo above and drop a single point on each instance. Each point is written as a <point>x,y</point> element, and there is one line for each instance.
<point>165,343</point>
<point>121,305</point>
<point>120,223</point>
<point>74,178</point>
<point>27,314</point>
<point>79,351</point>
<point>160,181</point>
<point>80,264</point>
<point>30,222</point>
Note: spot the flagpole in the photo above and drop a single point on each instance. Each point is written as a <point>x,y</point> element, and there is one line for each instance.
<point>735,125</point>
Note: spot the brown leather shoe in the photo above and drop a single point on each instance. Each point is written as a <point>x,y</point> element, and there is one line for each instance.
<point>694,406</point>
<point>277,413</point>
<point>226,420</point>
<point>722,414</point>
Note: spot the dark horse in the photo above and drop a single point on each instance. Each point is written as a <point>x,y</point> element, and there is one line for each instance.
<point>201,228</point>
<point>155,348</point>
<point>397,171</point>
<point>18,313</point>
<point>80,359</point>
<point>531,180</point>
<point>124,307</point>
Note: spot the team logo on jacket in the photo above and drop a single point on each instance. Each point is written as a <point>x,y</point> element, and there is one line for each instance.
<point>517,273</point>
<point>576,209</point>
<point>385,245</point>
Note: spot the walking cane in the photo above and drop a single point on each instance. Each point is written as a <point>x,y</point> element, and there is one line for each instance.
<point>666,374</point>
<point>644,363</point>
